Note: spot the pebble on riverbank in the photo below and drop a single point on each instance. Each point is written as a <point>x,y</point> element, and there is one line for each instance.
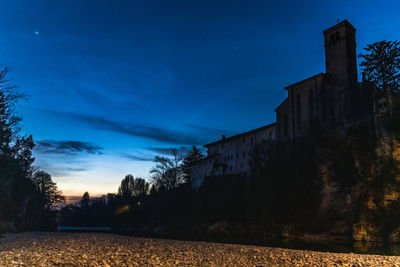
<point>95,249</point>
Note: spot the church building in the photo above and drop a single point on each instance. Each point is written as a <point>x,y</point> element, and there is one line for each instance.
<point>323,98</point>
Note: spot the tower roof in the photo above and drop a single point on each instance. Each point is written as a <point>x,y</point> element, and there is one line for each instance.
<point>340,24</point>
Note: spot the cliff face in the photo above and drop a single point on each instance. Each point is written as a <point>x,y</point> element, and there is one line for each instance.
<point>349,184</point>
<point>381,203</point>
<point>360,192</point>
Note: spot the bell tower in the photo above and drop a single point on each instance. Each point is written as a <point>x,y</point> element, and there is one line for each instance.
<point>340,54</point>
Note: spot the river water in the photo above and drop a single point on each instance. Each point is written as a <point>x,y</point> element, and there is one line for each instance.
<point>379,248</point>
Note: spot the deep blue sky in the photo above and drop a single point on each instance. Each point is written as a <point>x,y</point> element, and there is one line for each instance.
<point>113,83</point>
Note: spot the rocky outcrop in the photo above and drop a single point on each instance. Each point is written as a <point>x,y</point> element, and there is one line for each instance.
<point>366,231</point>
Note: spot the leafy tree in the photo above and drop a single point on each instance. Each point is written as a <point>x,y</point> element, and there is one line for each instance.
<point>26,198</point>
<point>85,200</point>
<point>140,187</point>
<point>381,65</point>
<point>39,208</point>
<point>259,156</point>
<point>153,190</point>
<point>191,158</point>
<point>16,159</point>
<point>126,187</point>
<point>133,187</point>
<point>167,173</point>
<point>47,190</point>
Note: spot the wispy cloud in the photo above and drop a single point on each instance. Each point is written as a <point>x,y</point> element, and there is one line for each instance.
<point>66,147</point>
<point>168,151</point>
<point>61,167</point>
<point>195,135</point>
<point>209,130</point>
<point>136,158</point>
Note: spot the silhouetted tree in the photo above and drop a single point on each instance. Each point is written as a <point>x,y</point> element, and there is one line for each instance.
<point>191,158</point>
<point>126,187</point>
<point>167,173</point>
<point>133,187</point>
<point>140,187</point>
<point>381,65</point>
<point>16,159</point>
<point>153,190</point>
<point>85,200</point>
<point>259,156</point>
<point>47,189</point>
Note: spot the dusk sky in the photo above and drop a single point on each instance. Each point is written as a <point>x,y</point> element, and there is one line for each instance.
<point>111,84</point>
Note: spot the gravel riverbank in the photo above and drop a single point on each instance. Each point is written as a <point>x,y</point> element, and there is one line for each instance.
<point>95,249</point>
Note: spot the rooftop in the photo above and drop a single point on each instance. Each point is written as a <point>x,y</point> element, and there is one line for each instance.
<point>241,134</point>
<point>305,80</point>
<point>283,102</point>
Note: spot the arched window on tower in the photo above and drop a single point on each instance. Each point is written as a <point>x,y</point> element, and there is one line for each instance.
<point>311,104</point>
<point>298,111</point>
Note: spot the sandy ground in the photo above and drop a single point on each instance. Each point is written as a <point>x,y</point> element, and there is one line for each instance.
<point>94,249</point>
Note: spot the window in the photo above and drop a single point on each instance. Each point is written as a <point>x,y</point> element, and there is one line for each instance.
<point>244,139</point>
<point>311,104</point>
<point>231,167</point>
<point>298,111</point>
<point>237,155</point>
<point>332,114</point>
<point>244,154</point>
<point>322,98</point>
<point>252,141</point>
<point>241,165</point>
<point>279,123</point>
<point>270,135</point>
<point>332,37</point>
<point>285,126</point>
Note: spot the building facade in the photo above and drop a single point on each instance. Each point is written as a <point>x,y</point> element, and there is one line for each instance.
<point>231,155</point>
<point>323,99</point>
